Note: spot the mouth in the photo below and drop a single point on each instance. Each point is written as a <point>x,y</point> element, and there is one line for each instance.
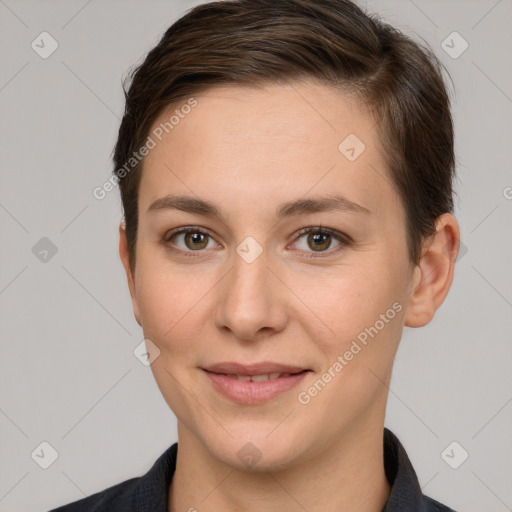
<point>261,377</point>
<point>254,384</point>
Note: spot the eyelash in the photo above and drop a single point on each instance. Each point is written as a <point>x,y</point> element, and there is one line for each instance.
<point>345,241</point>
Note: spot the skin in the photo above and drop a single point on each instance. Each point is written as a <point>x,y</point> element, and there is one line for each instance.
<point>248,150</point>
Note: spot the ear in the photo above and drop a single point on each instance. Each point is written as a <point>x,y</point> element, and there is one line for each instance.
<point>433,275</point>
<point>125,259</point>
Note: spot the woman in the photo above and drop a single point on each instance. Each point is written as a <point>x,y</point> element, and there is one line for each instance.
<point>286,169</point>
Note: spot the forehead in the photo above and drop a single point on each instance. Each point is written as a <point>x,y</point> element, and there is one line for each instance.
<point>280,142</point>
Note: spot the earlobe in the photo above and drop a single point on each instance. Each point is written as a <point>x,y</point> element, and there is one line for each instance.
<point>434,273</point>
<point>125,259</point>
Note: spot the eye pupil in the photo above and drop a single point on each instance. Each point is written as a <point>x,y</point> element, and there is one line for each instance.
<point>319,241</point>
<point>195,238</point>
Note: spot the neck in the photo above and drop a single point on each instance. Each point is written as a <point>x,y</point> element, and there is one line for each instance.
<point>347,475</point>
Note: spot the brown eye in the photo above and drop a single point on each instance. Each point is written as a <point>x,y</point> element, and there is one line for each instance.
<point>188,239</point>
<point>195,240</point>
<point>319,240</point>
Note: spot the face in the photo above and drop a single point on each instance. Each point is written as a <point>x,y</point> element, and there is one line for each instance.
<point>318,286</point>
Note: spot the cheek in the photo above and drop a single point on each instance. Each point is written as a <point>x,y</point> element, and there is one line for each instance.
<point>169,302</point>
<point>359,317</point>
<point>348,299</point>
<point>364,310</point>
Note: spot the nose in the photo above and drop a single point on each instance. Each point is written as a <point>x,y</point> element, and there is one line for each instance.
<point>252,300</point>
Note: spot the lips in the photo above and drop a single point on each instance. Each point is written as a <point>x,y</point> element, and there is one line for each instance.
<point>255,383</point>
<point>263,368</point>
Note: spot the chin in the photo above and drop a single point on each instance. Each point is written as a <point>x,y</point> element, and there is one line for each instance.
<point>255,450</point>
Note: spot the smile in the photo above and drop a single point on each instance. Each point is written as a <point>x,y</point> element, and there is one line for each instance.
<point>254,389</point>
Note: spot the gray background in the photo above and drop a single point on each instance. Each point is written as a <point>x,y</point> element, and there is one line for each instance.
<point>68,374</point>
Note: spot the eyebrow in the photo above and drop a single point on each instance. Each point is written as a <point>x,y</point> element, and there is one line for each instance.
<point>289,209</point>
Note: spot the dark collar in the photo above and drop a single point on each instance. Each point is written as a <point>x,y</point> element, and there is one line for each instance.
<point>406,492</point>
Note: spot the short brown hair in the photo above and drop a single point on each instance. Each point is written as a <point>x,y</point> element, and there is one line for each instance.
<point>256,42</point>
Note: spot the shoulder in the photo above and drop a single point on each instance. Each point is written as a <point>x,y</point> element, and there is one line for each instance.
<point>146,492</point>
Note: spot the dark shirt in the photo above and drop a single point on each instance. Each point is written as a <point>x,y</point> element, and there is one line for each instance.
<point>149,493</point>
